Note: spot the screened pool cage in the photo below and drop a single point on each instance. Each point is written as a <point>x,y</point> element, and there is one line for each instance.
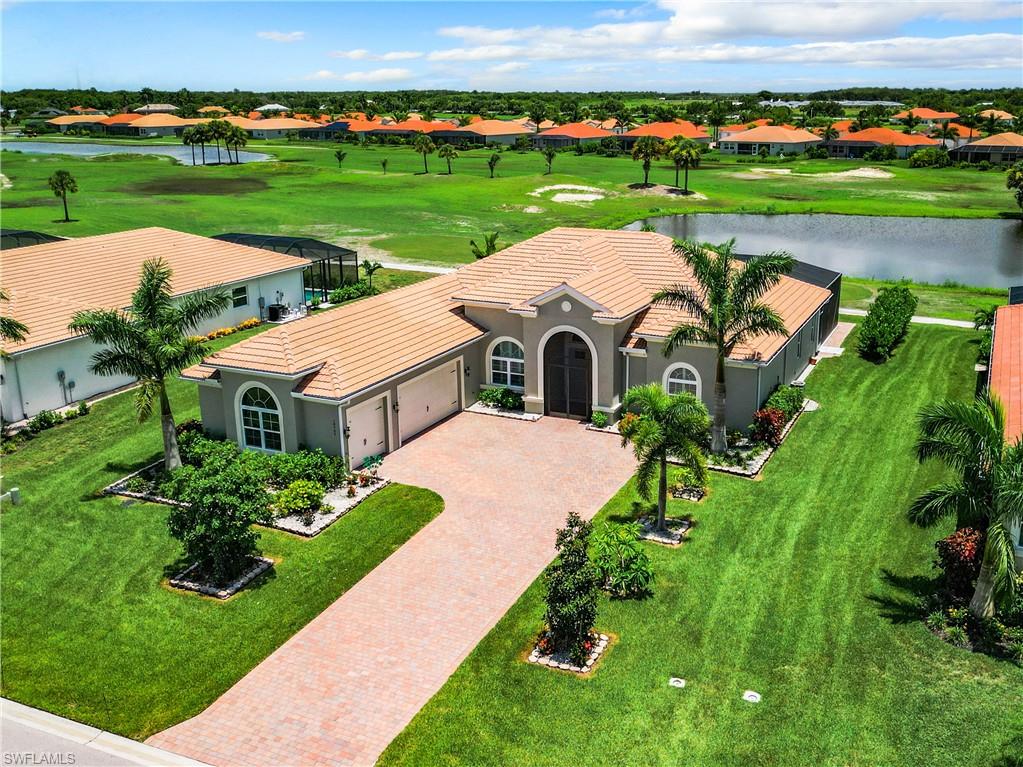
<point>330,266</point>
<point>19,238</point>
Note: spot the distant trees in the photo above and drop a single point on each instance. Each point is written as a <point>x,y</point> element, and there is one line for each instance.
<point>62,183</point>
<point>424,145</point>
<point>647,149</point>
<point>1014,182</point>
<point>447,153</point>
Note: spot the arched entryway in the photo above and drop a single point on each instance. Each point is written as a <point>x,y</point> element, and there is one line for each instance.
<point>568,375</point>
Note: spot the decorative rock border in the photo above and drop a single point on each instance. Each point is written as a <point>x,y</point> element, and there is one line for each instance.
<point>676,532</point>
<point>340,505</point>
<point>562,662</point>
<point>116,488</point>
<point>182,581</point>
<point>518,415</point>
<point>753,467</point>
<point>611,428</point>
<point>691,494</point>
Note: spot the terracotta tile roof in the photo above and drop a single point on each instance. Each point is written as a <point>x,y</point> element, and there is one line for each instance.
<point>255,115</point>
<point>925,113</point>
<point>345,350</point>
<point>218,110</point>
<point>576,130</point>
<point>122,118</point>
<point>359,126</point>
<point>1000,139</point>
<point>1006,374</point>
<point>666,131</point>
<point>161,120</point>
<point>413,126</point>
<point>75,119</point>
<point>494,128</point>
<point>775,134</point>
<point>48,283</point>
<point>884,136</point>
<point>271,123</point>
<point>998,114</point>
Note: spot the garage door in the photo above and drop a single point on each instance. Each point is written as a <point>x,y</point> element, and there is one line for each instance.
<point>427,399</point>
<point>367,431</point>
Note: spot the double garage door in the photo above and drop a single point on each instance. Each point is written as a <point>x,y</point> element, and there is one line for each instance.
<point>422,402</point>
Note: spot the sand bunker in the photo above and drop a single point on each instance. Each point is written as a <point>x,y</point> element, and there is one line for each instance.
<point>576,197</point>
<point>758,174</point>
<point>669,191</point>
<point>862,173</point>
<point>570,193</point>
<point>532,209</point>
<point>5,183</point>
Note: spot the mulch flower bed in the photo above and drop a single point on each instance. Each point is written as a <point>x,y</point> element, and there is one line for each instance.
<point>142,485</point>
<point>673,536</point>
<point>336,504</point>
<point>561,660</point>
<point>192,579</point>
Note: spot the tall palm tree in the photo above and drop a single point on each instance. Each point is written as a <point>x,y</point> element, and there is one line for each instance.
<point>236,138</point>
<point>218,130</point>
<point>537,114</point>
<point>492,162</point>
<point>549,154</point>
<point>188,139</point>
<point>447,152</point>
<point>647,149</point>
<point>424,145</point>
<point>947,132</point>
<point>668,426</point>
<point>151,340</point>
<point>203,136</point>
<point>716,118</point>
<point>725,307</point>
<point>11,330</point>
<point>987,491</point>
<point>62,183</point>
<point>970,119</point>
<point>990,124</point>
<point>684,154</point>
<point>911,121</point>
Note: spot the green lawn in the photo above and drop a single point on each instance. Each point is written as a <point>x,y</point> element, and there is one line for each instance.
<point>89,629</point>
<point>953,302</point>
<point>801,586</point>
<point>431,217</point>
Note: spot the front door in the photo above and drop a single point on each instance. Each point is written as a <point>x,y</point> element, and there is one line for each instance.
<point>568,383</point>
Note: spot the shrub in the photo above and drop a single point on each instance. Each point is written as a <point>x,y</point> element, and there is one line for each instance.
<point>499,396</point>
<point>882,153</point>
<point>788,399</point>
<point>687,479</point>
<point>572,584</point>
<point>83,408</point>
<point>302,496</point>
<point>959,557</point>
<point>599,419</point>
<point>136,484</point>
<point>816,153</point>
<point>191,425</point>
<point>312,465</point>
<point>931,157</point>
<point>251,322</point>
<point>958,636</point>
<point>886,322</point>
<point>350,292</point>
<point>622,565</point>
<point>768,424</point>
<point>44,419</point>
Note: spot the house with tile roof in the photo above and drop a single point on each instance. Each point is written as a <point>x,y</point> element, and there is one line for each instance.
<point>775,139</point>
<point>64,123</point>
<point>50,368</point>
<point>1000,149</point>
<point>665,131</point>
<point>564,318</point>
<point>856,144</point>
<point>925,115</point>
<point>155,109</point>
<point>484,132</point>
<point>570,134</point>
<point>999,114</point>
<point>1005,380</point>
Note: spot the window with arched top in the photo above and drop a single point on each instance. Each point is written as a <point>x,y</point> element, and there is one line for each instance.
<point>261,420</point>
<point>681,378</point>
<point>507,365</point>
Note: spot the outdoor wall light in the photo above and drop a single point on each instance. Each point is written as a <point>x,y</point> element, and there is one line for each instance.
<point>347,431</point>
<point>468,370</point>
<point>395,406</point>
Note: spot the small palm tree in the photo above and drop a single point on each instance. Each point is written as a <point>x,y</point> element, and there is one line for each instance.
<point>383,164</point>
<point>669,426</point>
<point>990,124</point>
<point>62,183</point>
<point>424,145</point>
<point>830,133</point>
<point>911,121</point>
<point>151,341</point>
<point>548,156</point>
<point>969,438</point>
<point>492,162</point>
<point>725,307</point>
<point>537,114</point>
<point>947,132</point>
<point>340,156</point>
<point>447,152</point>
<point>716,118</point>
<point>11,330</point>
<point>647,149</point>
<point>370,268</point>
<point>489,246</point>
<point>684,154</point>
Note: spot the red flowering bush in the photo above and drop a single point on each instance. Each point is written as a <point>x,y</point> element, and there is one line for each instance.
<point>959,558</point>
<point>768,425</point>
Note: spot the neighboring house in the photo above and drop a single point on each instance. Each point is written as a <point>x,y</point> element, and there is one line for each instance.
<point>213,111</point>
<point>120,124</point>
<point>48,283</point>
<point>1001,148</point>
<point>157,109</point>
<point>274,127</point>
<point>484,132</point>
<point>47,112</point>
<point>565,318</point>
<point>726,131</point>
<point>998,114</point>
<point>858,143</point>
<point>777,140</point>
<point>1005,379</point>
<point>86,111</point>
<point>570,134</point>
<point>65,122</point>
<point>159,124</point>
<point>666,131</point>
<point>271,109</point>
<point>612,124</point>
<point>408,128</point>
<point>926,115</point>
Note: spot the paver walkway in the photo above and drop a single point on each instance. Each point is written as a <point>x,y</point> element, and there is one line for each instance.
<point>345,685</point>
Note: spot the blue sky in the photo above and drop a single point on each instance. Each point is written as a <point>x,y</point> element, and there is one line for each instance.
<point>661,45</point>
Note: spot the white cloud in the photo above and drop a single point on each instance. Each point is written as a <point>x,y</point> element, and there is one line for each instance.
<point>371,76</point>
<point>282,37</point>
<point>508,67</point>
<point>361,54</point>
<point>357,54</point>
<point>476,53</point>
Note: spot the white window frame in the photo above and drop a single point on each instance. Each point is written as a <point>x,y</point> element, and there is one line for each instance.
<point>492,355</point>
<point>245,295</point>
<point>240,410</point>
<point>683,366</point>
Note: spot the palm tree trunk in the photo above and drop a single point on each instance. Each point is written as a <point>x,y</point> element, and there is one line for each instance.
<point>171,455</point>
<point>686,190</point>
<point>676,177</point>
<point>983,602</point>
<point>426,168</point>
<point>719,436</point>
<point>449,167</point>
<point>203,146</point>
<point>193,155</point>
<point>218,151</point>
<point>662,493</point>
<point>64,198</point>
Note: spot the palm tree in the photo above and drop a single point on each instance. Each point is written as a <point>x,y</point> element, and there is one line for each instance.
<point>424,145</point>
<point>11,330</point>
<point>236,138</point>
<point>492,162</point>
<point>188,139</point>
<point>725,307</point>
<point>830,133</point>
<point>969,438</point>
<point>152,340</point>
<point>61,184</point>
<point>970,119</point>
<point>370,268</point>
<point>947,132</point>
<point>991,124</point>
<point>911,121</point>
<point>340,156</point>
<point>202,136</point>
<point>716,118</point>
<point>548,157</point>
<point>669,426</point>
<point>684,154</point>
<point>489,246</point>
<point>400,115</point>
<point>447,152</point>
<point>383,164</point>
<point>219,129</point>
<point>647,149</point>
<point>537,114</point>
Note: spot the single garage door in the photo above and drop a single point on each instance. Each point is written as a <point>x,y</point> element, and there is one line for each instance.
<point>367,431</point>
<point>427,399</point>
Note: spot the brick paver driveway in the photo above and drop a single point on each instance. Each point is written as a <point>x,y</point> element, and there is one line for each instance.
<point>345,685</point>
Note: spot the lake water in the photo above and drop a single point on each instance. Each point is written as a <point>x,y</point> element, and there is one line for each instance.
<point>983,252</point>
<point>180,152</point>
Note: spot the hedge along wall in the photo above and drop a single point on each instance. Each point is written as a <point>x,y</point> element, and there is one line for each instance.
<point>886,322</point>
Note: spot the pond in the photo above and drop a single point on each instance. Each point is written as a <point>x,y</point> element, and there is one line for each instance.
<point>182,154</point>
<point>981,252</point>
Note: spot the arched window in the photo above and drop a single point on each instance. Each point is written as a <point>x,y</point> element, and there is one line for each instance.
<point>507,366</point>
<point>261,420</point>
<point>682,378</point>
